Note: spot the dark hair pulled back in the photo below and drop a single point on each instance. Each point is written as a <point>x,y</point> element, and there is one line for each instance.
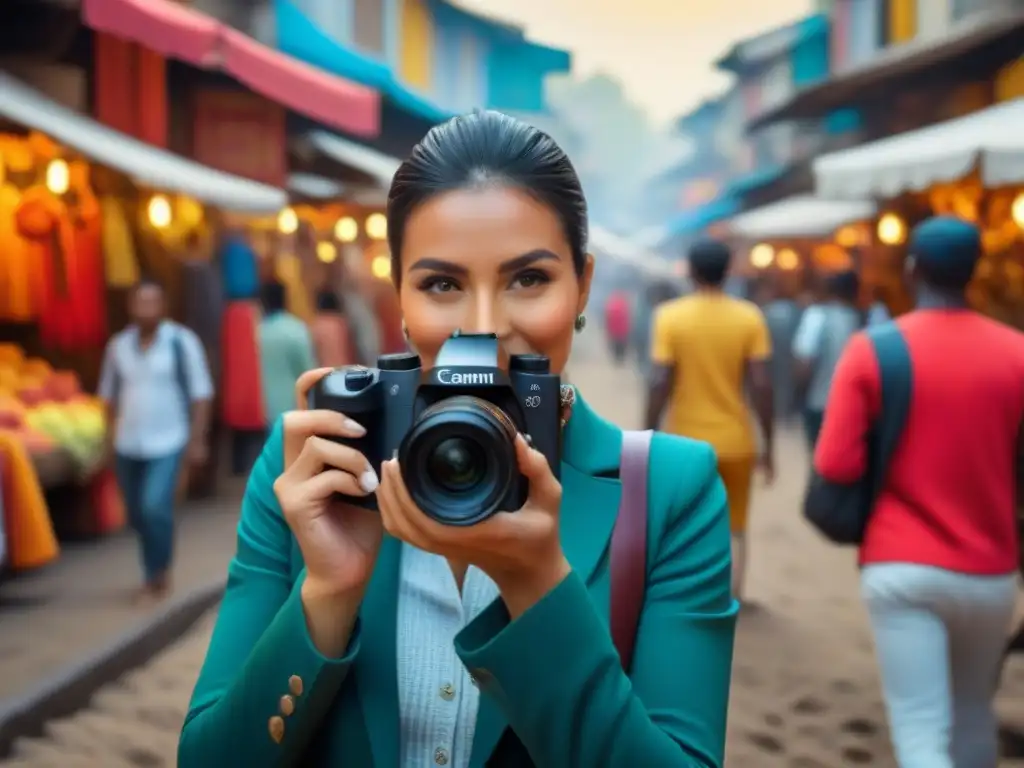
<point>482,149</point>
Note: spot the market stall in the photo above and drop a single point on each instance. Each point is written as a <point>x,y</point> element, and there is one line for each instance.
<point>794,238</point>
<point>971,167</point>
<point>84,211</point>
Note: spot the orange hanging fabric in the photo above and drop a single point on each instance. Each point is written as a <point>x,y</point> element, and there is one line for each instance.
<point>31,541</point>
<point>43,220</point>
<point>17,285</point>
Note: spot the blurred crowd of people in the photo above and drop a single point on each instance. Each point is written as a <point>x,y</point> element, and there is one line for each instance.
<point>938,551</point>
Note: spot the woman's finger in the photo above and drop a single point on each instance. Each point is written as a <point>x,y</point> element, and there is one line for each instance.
<point>545,490</point>
<point>319,453</point>
<point>299,426</point>
<point>306,382</point>
<point>416,523</point>
<point>388,504</point>
<point>331,481</point>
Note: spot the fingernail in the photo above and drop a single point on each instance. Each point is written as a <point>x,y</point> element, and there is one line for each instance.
<point>355,427</point>
<point>368,481</point>
<point>394,455</point>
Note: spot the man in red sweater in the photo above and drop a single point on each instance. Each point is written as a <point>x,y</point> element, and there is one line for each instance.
<point>939,555</point>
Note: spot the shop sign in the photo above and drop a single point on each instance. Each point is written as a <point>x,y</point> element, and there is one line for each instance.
<point>240,133</point>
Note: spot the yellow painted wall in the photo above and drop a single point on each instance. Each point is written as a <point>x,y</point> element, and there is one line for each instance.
<point>902,20</point>
<point>1010,81</point>
<point>417,53</point>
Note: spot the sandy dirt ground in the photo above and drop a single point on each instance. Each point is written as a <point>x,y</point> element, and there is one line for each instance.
<point>805,691</point>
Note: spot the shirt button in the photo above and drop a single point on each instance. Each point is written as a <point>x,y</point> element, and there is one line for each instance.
<point>276,727</point>
<point>441,756</point>
<point>287,706</point>
<point>447,692</point>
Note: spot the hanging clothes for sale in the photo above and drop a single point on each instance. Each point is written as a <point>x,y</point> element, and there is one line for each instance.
<point>239,268</point>
<point>31,541</point>
<point>43,220</point>
<point>241,387</point>
<point>289,273</point>
<point>87,288</point>
<point>120,260</point>
<point>18,294</point>
<point>204,307</point>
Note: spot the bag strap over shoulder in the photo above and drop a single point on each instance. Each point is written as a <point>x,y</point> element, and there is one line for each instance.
<point>628,556</point>
<point>895,373</point>
<point>181,366</point>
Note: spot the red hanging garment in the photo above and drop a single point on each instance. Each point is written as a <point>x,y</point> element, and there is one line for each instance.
<point>87,294</point>
<point>241,385</point>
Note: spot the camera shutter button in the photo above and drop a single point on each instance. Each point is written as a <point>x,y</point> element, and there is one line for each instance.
<point>358,380</point>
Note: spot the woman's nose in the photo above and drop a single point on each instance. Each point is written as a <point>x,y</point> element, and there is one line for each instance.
<point>487,317</point>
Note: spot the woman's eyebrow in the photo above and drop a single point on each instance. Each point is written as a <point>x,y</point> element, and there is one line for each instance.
<point>512,265</point>
<point>531,257</point>
<point>439,265</point>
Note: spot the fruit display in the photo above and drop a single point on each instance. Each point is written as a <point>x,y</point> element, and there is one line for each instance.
<point>45,409</point>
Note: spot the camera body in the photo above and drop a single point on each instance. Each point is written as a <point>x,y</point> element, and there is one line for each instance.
<point>453,426</point>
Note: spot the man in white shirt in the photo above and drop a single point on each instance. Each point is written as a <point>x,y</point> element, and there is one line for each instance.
<point>824,330</point>
<point>158,391</point>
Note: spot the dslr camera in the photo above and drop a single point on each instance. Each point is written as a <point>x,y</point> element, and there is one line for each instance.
<point>453,426</point>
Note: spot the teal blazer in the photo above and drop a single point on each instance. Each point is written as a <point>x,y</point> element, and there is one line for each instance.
<point>553,690</point>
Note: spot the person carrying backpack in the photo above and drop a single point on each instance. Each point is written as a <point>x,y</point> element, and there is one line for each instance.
<point>157,387</point>
<point>938,550</point>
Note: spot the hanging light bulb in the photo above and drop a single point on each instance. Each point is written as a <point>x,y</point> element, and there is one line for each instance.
<point>787,259</point>
<point>761,256</point>
<point>346,230</point>
<point>891,229</point>
<point>57,176</point>
<point>288,221</point>
<point>381,266</point>
<point>1017,210</point>
<point>159,211</point>
<point>326,252</point>
<point>377,226</point>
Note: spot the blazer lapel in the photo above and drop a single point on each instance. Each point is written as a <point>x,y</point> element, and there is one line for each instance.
<point>590,502</point>
<point>376,671</point>
<point>590,488</point>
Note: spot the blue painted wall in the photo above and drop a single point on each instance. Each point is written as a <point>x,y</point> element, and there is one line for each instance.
<point>811,59</point>
<point>484,63</point>
<point>461,51</point>
<point>517,73</point>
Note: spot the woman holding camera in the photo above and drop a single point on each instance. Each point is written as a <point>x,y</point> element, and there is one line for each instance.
<point>349,637</point>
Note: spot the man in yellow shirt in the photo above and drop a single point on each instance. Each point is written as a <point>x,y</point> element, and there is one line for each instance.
<point>704,348</point>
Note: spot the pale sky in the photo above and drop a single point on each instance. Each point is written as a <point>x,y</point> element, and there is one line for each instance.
<point>661,50</point>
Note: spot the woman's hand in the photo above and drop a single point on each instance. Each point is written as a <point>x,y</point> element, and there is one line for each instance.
<point>520,550</point>
<point>339,542</point>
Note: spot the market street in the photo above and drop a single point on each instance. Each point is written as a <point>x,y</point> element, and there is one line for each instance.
<point>804,686</point>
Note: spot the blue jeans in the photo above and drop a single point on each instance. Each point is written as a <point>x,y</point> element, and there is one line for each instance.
<point>812,426</point>
<point>148,487</point>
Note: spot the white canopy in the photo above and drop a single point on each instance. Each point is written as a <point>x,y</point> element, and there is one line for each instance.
<point>313,187</point>
<point>992,138</point>
<point>799,216</point>
<point>610,245</point>
<point>146,164</point>
<point>380,167</point>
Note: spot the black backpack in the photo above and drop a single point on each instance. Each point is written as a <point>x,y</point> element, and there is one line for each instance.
<point>840,512</point>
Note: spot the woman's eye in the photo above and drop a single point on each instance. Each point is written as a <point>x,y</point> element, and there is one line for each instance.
<point>530,279</point>
<point>439,285</point>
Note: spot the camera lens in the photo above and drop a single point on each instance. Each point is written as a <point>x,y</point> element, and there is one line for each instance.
<point>459,459</point>
<point>456,464</point>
